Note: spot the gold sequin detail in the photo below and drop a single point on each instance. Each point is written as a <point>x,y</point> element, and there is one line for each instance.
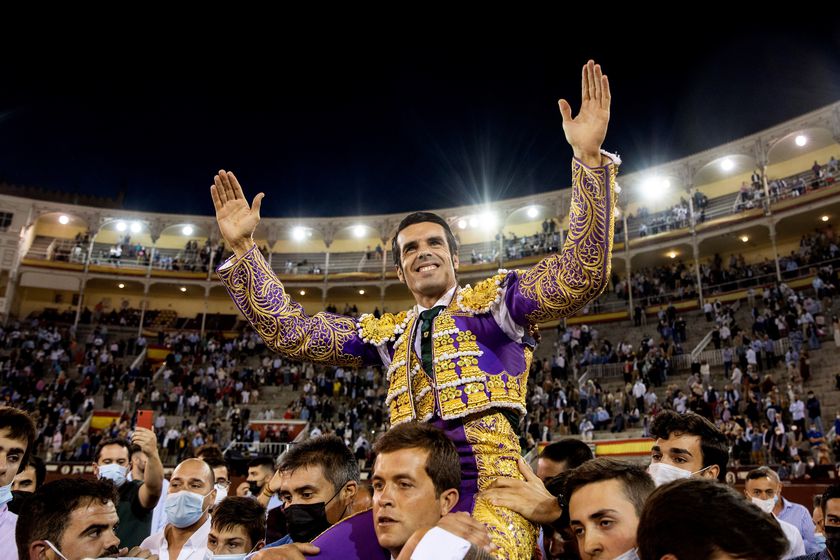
<point>281,322</point>
<point>562,284</point>
<point>496,449</point>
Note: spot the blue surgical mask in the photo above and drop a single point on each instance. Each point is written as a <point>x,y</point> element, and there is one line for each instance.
<point>6,493</point>
<point>820,540</point>
<point>113,472</point>
<point>184,508</point>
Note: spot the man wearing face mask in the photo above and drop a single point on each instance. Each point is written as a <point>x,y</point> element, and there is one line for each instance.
<point>830,506</point>
<point>763,488</point>
<point>686,445</point>
<point>237,529</point>
<point>27,482</point>
<point>222,475</point>
<point>191,493</point>
<point>17,436</point>
<point>318,480</point>
<point>70,519</point>
<point>817,518</point>
<point>137,498</point>
<point>260,471</point>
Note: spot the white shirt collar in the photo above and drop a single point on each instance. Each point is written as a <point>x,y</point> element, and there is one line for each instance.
<point>444,300</point>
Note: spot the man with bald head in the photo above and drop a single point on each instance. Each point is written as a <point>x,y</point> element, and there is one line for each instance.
<point>191,493</point>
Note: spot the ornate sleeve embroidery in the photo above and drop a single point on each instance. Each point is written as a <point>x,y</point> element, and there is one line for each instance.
<point>561,284</point>
<point>283,324</point>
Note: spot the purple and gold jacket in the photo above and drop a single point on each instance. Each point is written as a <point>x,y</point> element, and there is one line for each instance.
<point>477,366</point>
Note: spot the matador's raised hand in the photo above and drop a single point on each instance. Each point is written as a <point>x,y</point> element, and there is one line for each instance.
<point>586,132</point>
<point>236,219</point>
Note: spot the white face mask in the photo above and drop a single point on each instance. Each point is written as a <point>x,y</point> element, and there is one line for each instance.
<point>113,472</point>
<point>221,494</point>
<point>765,505</point>
<point>663,473</point>
<point>631,554</point>
<point>238,556</point>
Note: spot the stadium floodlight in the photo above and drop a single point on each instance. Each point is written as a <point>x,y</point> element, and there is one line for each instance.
<point>801,140</point>
<point>188,230</point>
<point>121,226</point>
<point>654,187</point>
<point>533,212</point>
<point>120,285</point>
<point>183,288</point>
<point>298,233</point>
<point>473,222</point>
<point>303,292</point>
<point>136,227</point>
<point>63,220</point>
<point>727,164</point>
<point>359,231</point>
<point>462,223</point>
<point>745,238</point>
<point>361,292</point>
<point>489,220</point>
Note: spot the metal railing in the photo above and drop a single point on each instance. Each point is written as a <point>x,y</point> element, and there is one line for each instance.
<point>270,449</point>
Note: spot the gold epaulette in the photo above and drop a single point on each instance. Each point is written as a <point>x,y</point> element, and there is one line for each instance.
<point>479,298</point>
<point>386,328</point>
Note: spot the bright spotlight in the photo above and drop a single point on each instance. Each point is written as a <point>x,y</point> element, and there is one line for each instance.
<point>136,227</point>
<point>655,187</point>
<point>121,226</point>
<point>488,220</point>
<point>533,212</point>
<point>120,285</point>
<point>801,140</point>
<point>473,222</point>
<point>63,220</point>
<point>298,233</point>
<point>361,292</point>
<point>183,288</point>
<point>359,231</point>
<point>744,238</point>
<point>462,224</point>
<point>824,218</point>
<point>673,254</point>
<point>303,292</point>
<point>727,164</point>
<point>188,230</point>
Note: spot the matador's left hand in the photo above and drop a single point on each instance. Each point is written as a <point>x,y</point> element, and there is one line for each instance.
<point>586,132</point>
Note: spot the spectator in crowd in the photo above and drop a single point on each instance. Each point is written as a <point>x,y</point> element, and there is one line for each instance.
<point>704,520</point>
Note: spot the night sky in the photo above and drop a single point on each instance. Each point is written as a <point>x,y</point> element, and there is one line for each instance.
<point>367,122</point>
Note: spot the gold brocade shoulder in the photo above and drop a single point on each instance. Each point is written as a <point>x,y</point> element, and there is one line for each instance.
<point>479,298</point>
<point>380,331</point>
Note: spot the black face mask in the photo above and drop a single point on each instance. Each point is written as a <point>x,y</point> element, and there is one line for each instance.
<point>254,488</point>
<point>306,521</point>
<point>832,540</point>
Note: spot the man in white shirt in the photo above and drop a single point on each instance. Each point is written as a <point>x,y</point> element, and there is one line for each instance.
<point>191,493</point>
<point>760,489</point>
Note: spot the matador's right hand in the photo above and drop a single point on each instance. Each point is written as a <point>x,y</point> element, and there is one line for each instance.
<point>236,219</point>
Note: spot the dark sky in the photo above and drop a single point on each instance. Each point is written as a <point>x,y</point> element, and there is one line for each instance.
<point>365,121</point>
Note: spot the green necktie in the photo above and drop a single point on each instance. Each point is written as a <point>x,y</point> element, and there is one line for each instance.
<point>426,319</point>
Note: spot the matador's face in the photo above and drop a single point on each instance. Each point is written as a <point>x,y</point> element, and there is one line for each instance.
<point>427,267</point>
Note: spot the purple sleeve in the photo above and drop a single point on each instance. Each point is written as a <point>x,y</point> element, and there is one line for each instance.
<point>325,338</point>
<point>561,284</point>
